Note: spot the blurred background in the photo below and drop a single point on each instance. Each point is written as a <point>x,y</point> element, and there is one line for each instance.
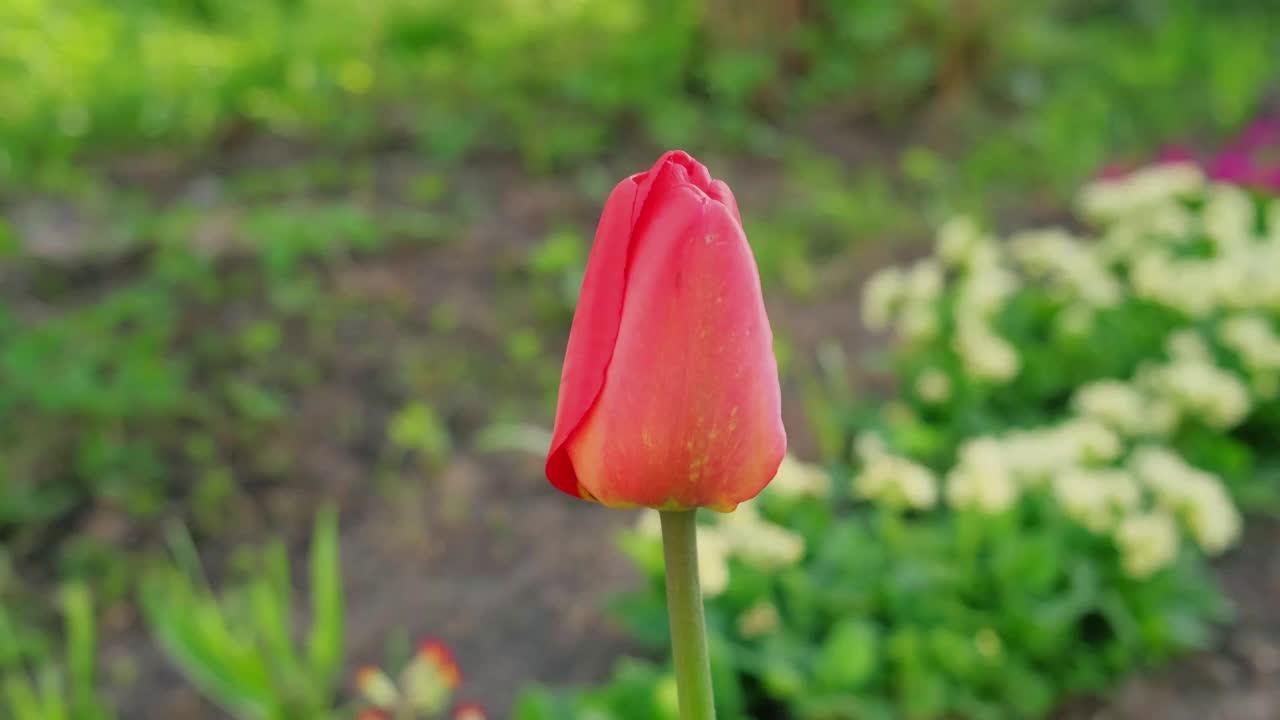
<point>260,258</point>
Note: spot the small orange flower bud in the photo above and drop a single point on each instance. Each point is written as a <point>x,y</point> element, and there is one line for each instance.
<point>376,687</point>
<point>430,678</point>
<point>441,658</point>
<point>469,711</point>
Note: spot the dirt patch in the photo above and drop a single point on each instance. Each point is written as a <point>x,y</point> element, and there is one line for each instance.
<point>510,573</point>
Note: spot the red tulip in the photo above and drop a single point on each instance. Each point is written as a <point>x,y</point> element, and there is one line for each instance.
<point>669,395</point>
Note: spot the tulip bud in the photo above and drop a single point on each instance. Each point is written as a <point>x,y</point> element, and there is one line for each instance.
<point>669,396</point>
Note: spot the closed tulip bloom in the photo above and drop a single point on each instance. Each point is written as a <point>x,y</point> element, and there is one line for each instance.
<point>669,396</point>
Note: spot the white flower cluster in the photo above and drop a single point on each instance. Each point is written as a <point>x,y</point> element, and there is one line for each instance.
<point>985,355</point>
<point>959,240</point>
<point>1125,408</point>
<point>1148,542</point>
<point>881,296</point>
<point>1254,340</point>
<point>981,292</point>
<point>1136,504</point>
<point>896,481</point>
<point>713,562</point>
<point>713,551</point>
<point>1165,237</point>
<point>1189,385</point>
<point>1200,389</point>
<point>933,386</point>
<point>1191,286</point>
<point>1076,270</point>
<point>797,478</point>
<point>1193,495</point>
<point>1228,218</point>
<point>757,541</point>
<point>982,480</point>
<point>867,446</point>
<point>1188,345</point>
<point>992,472</point>
<point>1146,220</point>
<point>1124,238</point>
<point>1140,192</point>
<point>1097,498</point>
<point>1034,454</point>
<point>1237,275</point>
<point>905,299</point>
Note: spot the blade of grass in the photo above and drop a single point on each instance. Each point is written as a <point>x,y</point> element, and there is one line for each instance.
<point>78,608</point>
<point>195,637</point>
<point>23,702</point>
<point>325,642</point>
<point>53,695</point>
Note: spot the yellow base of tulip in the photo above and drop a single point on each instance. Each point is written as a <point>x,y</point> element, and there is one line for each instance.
<point>669,506</point>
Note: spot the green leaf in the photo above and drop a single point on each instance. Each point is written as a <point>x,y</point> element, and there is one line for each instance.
<point>53,695</point>
<point>539,703</point>
<point>23,701</point>
<point>271,627</point>
<point>849,656</point>
<point>78,610</point>
<point>325,641</point>
<point>190,628</point>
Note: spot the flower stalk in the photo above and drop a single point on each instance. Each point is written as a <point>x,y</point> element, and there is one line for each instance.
<point>684,607</point>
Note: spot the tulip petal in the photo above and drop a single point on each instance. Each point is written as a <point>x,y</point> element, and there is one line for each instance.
<point>595,326</point>
<point>720,192</point>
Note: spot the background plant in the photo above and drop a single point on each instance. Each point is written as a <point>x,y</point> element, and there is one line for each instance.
<point>421,690</point>
<point>239,649</point>
<point>559,83</point>
<point>46,691</point>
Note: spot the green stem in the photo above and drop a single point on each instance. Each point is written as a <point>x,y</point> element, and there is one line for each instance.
<point>684,606</point>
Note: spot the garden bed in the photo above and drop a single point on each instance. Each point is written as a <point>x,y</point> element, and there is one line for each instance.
<point>441,550</point>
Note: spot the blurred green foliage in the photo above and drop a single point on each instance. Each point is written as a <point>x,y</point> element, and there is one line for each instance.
<point>564,80</point>
<point>49,692</point>
<point>239,649</point>
<point>891,615</point>
<point>104,400</point>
